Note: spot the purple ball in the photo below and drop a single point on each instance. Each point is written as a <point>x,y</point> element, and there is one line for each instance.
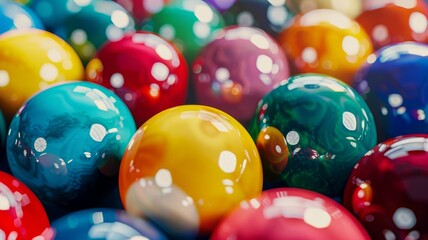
<point>235,70</point>
<point>221,5</point>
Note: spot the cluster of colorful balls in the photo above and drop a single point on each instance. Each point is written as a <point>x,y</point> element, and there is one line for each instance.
<point>213,119</point>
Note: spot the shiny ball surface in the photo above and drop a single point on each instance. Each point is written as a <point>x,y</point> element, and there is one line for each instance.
<point>311,131</point>
<point>221,5</point>
<point>386,190</point>
<point>142,9</point>
<point>235,70</point>
<point>326,41</point>
<point>66,142</point>
<point>394,84</point>
<point>103,223</point>
<point>187,167</point>
<point>16,16</point>
<point>2,132</point>
<point>352,8</point>
<point>22,216</point>
<point>289,213</point>
<point>395,22</point>
<point>270,16</point>
<point>189,24</point>
<point>148,73</point>
<point>87,30</point>
<point>31,60</point>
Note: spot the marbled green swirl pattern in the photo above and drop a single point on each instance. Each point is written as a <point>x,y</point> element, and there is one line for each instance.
<point>327,126</point>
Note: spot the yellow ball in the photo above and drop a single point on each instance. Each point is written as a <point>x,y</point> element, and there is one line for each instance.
<point>31,60</point>
<point>188,166</point>
<point>352,8</point>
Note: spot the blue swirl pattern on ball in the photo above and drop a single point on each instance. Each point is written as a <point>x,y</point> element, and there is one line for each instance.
<point>394,83</point>
<point>66,142</point>
<point>104,223</point>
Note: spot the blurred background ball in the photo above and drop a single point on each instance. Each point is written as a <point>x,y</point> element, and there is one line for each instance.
<point>187,167</point>
<point>16,16</point>
<point>221,5</point>
<point>351,8</point>
<point>142,9</point>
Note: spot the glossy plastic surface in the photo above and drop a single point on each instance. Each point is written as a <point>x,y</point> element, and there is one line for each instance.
<point>387,189</point>
<point>394,84</point>
<point>221,5</point>
<point>67,141</point>
<point>352,8</point>
<point>311,131</point>
<point>326,41</point>
<point>16,16</point>
<point>270,16</point>
<point>189,24</point>
<point>103,223</point>
<point>2,132</point>
<point>289,214</point>
<point>234,71</point>
<point>148,73</point>
<point>187,167</point>
<point>22,216</point>
<point>395,21</point>
<point>142,9</point>
<point>31,60</point>
<point>87,30</point>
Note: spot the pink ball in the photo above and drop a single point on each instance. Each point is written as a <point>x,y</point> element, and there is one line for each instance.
<point>234,71</point>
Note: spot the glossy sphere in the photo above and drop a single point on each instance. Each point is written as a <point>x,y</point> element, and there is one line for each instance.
<point>394,84</point>
<point>188,166</point>
<point>102,223</point>
<point>289,213</point>
<point>220,5</point>
<point>68,139</point>
<point>396,22</point>
<point>53,13</point>
<point>326,41</point>
<point>270,16</point>
<point>148,73</point>
<point>352,8</point>
<point>32,60</point>
<point>2,131</point>
<point>386,189</point>
<point>22,216</point>
<point>17,16</point>
<point>142,9</point>
<point>87,30</point>
<point>325,126</point>
<point>189,24</point>
<point>237,69</point>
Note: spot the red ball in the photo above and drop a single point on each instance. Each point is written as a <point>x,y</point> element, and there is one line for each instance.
<point>142,9</point>
<point>386,189</point>
<point>148,73</point>
<point>290,213</point>
<point>395,21</point>
<point>22,216</point>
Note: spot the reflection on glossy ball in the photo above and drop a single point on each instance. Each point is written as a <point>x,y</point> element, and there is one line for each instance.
<point>17,16</point>
<point>189,24</point>
<point>142,9</point>
<point>87,30</point>
<point>187,167</point>
<point>290,213</point>
<point>270,16</point>
<point>326,41</point>
<point>387,189</point>
<point>237,69</point>
<point>102,223</point>
<point>221,5</point>
<point>394,84</point>
<point>66,142</point>
<point>31,60</point>
<point>326,127</point>
<point>352,8</point>
<point>396,21</point>
<point>148,73</point>
<point>22,216</point>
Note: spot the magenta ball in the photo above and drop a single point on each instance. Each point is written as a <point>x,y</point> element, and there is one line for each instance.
<point>235,70</point>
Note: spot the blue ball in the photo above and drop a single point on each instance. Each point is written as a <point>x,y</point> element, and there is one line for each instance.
<point>394,83</point>
<point>104,223</point>
<point>67,141</point>
<point>16,16</point>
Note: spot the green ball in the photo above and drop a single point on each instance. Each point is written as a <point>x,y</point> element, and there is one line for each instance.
<point>189,24</point>
<point>311,131</point>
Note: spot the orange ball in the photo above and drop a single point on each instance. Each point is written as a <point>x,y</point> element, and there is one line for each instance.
<point>31,60</point>
<point>188,166</point>
<point>326,41</point>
